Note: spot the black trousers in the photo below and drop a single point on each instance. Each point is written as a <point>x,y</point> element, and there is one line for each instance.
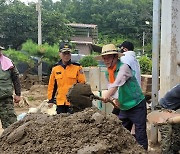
<point>64,109</point>
<point>137,116</point>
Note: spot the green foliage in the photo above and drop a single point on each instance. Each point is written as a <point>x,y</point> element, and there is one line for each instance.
<point>54,27</point>
<point>115,19</point>
<point>51,53</point>
<point>145,65</point>
<point>31,98</point>
<point>17,56</point>
<point>88,61</point>
<point>30,47</point>
<point>48,52</point>
<point>18,23</point>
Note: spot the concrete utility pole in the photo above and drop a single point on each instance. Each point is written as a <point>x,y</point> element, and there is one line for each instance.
<point>143,41</point>
<point>155,62</point>
<point>38,9</point>
<point>39,23</point>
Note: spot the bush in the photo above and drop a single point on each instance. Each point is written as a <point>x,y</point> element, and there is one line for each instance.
<point>145,65</point>
<point>50,53</point>
<point>17,56</point>
<point>30,47</point>
<point>88,61</point>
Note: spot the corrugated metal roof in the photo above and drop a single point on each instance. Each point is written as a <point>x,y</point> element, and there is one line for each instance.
<point>82,25</point>
<point>81,42</point>
<point>85,39</point>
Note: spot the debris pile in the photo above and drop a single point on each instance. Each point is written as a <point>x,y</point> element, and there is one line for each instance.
<point>33,97</point>
<point>86,132</point>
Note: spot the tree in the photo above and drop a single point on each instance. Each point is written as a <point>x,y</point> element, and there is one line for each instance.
<point>125,18</point>
<point>54,27</point>
<point>115,19</point>
<point>18,24</point>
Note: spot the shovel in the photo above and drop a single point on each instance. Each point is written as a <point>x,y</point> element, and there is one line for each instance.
<point>81,96</point>
<point>163,117</point>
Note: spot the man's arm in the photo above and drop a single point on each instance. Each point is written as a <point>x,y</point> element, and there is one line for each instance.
<point>16,83</point>
<point>16,80</point>
<point>52,89</point>
<point>81,76</point>
<point>123,75</point>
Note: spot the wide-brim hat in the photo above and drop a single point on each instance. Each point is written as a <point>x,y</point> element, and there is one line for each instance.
<point>2,48</point>
<point>109,49</point>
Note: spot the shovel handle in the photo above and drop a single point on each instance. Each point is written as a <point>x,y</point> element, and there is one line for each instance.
<point>174,120</point>
<point>100,98</point>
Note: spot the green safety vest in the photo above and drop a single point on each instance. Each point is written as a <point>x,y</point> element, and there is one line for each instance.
<point>6,87</point>
<point>129,94</point>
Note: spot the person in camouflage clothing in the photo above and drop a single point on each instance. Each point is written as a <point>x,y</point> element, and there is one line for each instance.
<point>170,133</point>
<point>9,79</point>
<point>170,138</point>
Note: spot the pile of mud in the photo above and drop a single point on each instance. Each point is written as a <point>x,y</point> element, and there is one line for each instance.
<point>28,80</point>
<point>86,132</point>
<point>33,97</point>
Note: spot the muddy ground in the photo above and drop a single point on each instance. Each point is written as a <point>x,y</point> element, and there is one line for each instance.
<point>32,97</point>
<point>87,132</point>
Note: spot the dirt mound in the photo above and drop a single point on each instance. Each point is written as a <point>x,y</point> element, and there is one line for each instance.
<point>28,80</point>
<point>86,132</point>
<point>33,97</point>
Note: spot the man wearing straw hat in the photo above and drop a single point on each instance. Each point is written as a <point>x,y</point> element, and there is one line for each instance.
<point>124,89</point>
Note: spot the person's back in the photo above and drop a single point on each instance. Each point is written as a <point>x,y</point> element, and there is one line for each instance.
<point>129,58</point>
<point>171,100</point>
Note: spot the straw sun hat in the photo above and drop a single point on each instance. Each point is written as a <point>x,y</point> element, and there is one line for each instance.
<point>108,49</point>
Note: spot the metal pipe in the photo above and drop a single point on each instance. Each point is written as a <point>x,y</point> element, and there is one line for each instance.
<point>155,62</point>
<point>39,38</point>
<point>39,23</point>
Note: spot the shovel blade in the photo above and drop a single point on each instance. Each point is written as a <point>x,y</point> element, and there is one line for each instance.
<point>79,95</point>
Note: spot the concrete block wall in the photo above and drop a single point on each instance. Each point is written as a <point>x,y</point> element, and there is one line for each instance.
<point>95,76</point>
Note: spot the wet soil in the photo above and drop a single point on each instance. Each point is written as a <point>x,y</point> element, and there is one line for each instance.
<point>38,136</point>
<point>86,132</point>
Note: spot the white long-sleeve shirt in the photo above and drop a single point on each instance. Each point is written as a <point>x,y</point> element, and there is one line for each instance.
<point>130,59</point>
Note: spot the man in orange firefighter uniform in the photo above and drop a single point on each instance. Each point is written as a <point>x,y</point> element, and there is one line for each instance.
<point>63,75</point>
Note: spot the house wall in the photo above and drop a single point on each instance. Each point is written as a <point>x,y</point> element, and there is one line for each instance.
<point>83,49</point>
